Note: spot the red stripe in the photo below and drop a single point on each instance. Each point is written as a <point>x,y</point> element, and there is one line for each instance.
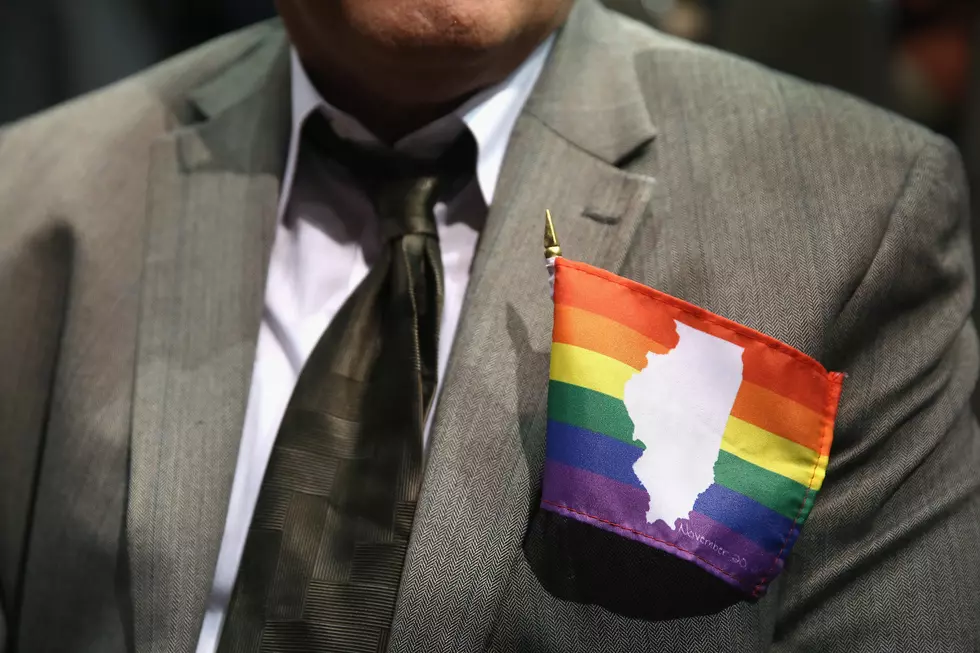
<point>767,362</point>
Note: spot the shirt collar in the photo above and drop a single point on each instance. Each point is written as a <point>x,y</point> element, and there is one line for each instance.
<point>489,115</point>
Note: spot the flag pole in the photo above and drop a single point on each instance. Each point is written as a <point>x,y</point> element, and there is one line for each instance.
<point>551,246</point>
<point>552,250</point>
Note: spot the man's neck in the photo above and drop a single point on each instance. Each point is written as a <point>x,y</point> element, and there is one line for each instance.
<point>388,121</point>
<point>393,99</point>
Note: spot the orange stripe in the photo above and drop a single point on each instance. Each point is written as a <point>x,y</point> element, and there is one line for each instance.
<point>574,326</point>
<point>768,363</point>
<point>769,368</point>
<point>778,415</point>
<point>596,295</point>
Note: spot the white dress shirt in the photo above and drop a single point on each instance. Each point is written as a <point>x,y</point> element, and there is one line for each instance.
<point>326,240</point>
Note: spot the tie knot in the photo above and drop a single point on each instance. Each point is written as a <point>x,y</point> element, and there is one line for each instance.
<point>406,206</point>
<point>405,189</point>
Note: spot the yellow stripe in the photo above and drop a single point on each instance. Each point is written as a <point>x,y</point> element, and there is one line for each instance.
<point>587,369</point>
<point>769,451</point>
<point>820,473</point>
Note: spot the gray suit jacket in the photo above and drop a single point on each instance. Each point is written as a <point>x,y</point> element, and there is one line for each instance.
<point>135,226</point>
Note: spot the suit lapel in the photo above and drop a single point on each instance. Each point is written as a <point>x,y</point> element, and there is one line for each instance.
<point>483,473</point>
<point>211,219</point>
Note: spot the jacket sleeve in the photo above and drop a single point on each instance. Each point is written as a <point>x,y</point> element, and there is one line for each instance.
<point>890,558</point>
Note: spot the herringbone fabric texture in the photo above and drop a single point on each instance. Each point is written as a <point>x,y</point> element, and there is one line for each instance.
<point>324,555</point>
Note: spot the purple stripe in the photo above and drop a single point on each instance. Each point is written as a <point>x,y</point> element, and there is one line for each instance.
<point>621,509</point>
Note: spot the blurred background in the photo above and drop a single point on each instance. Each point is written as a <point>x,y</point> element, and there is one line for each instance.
<point>920,58</point>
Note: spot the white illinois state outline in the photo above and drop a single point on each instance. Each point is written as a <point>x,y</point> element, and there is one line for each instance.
<point>679,404</point>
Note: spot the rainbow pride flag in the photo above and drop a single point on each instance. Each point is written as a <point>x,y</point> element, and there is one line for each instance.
<point>680,429</point>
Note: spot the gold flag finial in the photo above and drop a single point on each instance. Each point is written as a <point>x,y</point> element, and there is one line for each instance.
<point>551,246</point>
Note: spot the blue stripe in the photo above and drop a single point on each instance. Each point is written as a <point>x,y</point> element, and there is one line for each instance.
<point>762,525</point>
<point>593,452</point>
<point>612,458</point>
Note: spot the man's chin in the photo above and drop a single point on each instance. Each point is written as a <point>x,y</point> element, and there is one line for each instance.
<point>434,38</point>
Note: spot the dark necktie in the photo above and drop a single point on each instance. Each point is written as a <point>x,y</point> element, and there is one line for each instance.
<point>325,551</point>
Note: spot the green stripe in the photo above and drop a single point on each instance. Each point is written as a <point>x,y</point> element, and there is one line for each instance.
<point>777,492</point>
<point>590,410</point>
<point>803,514</point>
